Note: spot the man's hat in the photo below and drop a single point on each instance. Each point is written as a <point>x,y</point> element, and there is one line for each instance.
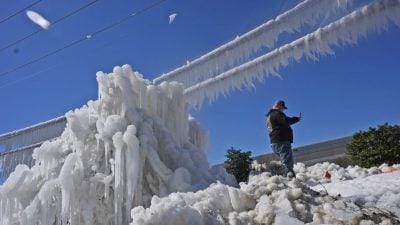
<point>280,103</point>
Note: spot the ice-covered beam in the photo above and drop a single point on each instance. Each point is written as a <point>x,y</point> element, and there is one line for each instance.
<point>344,31</point>
<point>241,48</point>
<point>33,134</point>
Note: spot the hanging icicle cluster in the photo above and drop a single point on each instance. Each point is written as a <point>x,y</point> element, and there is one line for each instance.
<point>244,47</point>
<point>346,30</point>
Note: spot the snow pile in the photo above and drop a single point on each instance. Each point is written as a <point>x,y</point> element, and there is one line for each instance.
<point>268,199</point>
<point>116,153</point>
<point>314,175</point>
<point>213,205</point>
<point>371,191</point>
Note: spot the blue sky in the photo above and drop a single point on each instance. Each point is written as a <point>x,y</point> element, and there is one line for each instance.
<point>337,95</point>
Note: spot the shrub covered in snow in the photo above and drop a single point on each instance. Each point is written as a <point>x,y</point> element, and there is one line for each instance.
<point>376,146</point>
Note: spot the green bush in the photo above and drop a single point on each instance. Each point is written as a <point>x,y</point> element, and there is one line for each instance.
<point>238,164</point>
<point>376,146</point>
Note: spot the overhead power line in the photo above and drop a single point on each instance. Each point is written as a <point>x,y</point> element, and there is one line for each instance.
<point>53,23</point>
<point>19,11</point>
<point>89,36</point>
<point>243,47</point>
<point>346,30</point>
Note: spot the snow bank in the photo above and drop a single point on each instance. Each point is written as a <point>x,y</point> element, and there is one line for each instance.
<point>209,206</point>
<point>377,186</point>
<point>314,175</point>
<point>137,141</point>
<point>268,199</point>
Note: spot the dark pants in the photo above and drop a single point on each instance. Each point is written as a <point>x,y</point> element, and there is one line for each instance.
<point>285,153</point>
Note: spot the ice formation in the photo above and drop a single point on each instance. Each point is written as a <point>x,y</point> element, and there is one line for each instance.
<point>307,12</point>
<point>344,31</point>
<point>38,19</point>
<point>17,147</point>
<point>135,142</point>
<point>32,135</point>
<point>172,18</point>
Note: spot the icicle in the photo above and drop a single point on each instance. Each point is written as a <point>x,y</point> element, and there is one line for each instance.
<point>133,169</point>
<point>119,178</point>
<point>343,31</point>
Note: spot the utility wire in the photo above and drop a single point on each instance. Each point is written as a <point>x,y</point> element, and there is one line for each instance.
<point>18,12</point>
<point>37,73</point>
<point>83,38</point>
<point>42,57</point>
<point>55,22</point>
<point>280,9</point>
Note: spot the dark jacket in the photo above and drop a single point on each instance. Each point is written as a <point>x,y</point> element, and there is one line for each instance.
<point>279,126</point>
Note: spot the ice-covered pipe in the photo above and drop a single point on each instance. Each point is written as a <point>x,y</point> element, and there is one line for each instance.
<point>344,31</point>
<point>33,134</point>
<point>242,47</point>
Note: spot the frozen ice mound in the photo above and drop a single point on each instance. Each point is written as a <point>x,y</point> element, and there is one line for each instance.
<point>135,142</point>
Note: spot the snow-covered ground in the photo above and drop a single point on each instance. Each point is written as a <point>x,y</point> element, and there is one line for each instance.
<point>367,196</point>
<point>136,156</point>
<point>381,190</point>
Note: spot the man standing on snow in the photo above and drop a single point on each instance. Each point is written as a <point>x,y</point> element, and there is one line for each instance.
<point>281,134</point>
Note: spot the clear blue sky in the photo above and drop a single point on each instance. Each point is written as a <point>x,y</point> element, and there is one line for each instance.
<point>338,95</point>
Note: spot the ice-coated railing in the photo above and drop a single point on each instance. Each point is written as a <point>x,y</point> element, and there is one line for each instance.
<point>16,147</point>
<point>9,160</point>
<point>373,16</point>
<point>33,134</point>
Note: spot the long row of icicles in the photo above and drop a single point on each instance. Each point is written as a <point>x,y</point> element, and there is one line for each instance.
<point>308,12</point>
<point>214,73</point>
